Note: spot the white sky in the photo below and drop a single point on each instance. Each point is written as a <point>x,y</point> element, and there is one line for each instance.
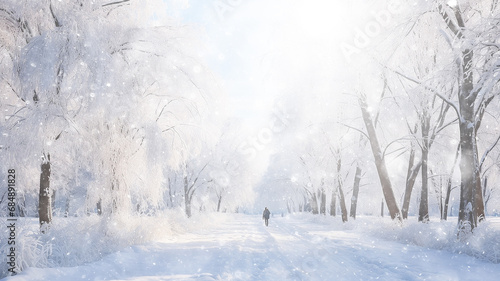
<point>269,50</point>
<point>264,49</point>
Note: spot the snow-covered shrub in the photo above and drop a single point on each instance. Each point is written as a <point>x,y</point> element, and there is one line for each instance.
<point>78,240</point>
<point>484,243</point>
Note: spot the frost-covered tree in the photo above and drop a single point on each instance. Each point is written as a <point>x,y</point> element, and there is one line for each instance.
<point>430,111</point>
<point>470,30</point>
<point>41,58</point>
<point>477,73</point>
<point>195,176</point>
<point>231,171</point>
<point>106,89</point>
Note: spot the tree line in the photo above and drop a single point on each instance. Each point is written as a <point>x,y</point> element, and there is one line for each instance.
<point>423,92</point>
<point>107,107</point>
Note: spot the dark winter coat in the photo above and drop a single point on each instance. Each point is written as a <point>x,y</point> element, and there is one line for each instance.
<point>266,214</point>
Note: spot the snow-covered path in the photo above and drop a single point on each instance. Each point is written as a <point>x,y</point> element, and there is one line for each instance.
<point>291,248</point>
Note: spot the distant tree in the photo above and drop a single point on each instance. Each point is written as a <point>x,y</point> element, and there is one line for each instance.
<point>340,187</point>
<point>355,191</point>
<point>194,177</point>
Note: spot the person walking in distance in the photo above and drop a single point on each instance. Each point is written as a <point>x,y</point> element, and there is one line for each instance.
<point>265,216</point>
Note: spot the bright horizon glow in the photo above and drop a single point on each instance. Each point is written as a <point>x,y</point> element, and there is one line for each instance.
<point>282,51</point>
<point>259,48</point>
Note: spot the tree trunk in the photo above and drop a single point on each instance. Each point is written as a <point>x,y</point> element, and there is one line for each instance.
<point>444,216</point>
<point>44,199</point>
<point>471,199</point>
<point>410,182</point>
<point>355,192</point>
<point>187,199</point>
<point>467,212</point>
<point>379,161</point>
<point>219,201</point>
<point>21,206</point>
<point>478,194</point>
<point>66,207</point>
<point>99,207</point>
<point>486,198</point>
<point>333,203</point>
<point>314,204</point>
<point>411,176</point>
<point>322,208</point>
<point>115,196</point>
<point>423,211</point>
<point>470,196</point>
<point>53,200</point>
<point>343,207</point>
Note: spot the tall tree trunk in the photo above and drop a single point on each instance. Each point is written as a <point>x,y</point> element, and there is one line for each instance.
<point>410,182</point>
<point>187,199</point>
<point>379,161</point>
<point>470,180</point>
<point>411,176</point>
<point>444,216</point>
<point>471,199</point>
<point>478,194</point>
<point>467,212</point>
<point>343,208</point>
<point>423,211</point>
<point>355,192</point>
<point>44,199</point>
<point>486,198</point>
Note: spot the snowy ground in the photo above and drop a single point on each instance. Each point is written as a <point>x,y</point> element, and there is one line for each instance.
<point>291,248</point>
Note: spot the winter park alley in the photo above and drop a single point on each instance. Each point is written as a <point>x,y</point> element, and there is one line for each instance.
<point>240,247</point>
<point>141,140</point>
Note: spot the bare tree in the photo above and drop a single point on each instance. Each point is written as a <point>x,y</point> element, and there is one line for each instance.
<point>355,192</point>
<point>474,95</point>
<point>379,160</point>
<point>192,181</point>
<point>340,184</point>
